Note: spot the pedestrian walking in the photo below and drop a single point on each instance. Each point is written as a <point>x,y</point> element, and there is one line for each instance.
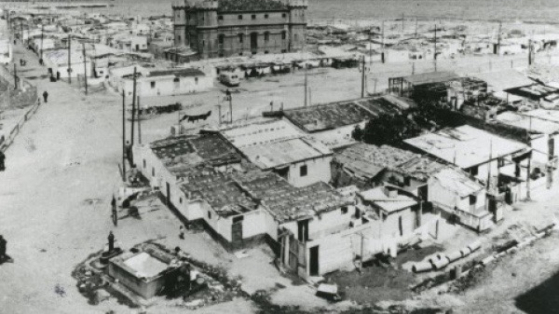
<point>181,232</point>
<point>45,96</point>
<point>3,247</point>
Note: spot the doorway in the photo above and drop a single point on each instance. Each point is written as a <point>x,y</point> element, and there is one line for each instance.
<point>303,230</point>
<point>254,42</point>
<point>313,267</point>
<point>237,231</point>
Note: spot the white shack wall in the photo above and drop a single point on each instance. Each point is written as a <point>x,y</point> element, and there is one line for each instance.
<point>318,169</point>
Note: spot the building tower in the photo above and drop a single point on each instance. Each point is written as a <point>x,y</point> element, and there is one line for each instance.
<point>207,29</point>
<point>179,22</point>
<point>297,24</point>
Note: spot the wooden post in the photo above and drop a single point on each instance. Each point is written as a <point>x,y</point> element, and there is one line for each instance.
<point>139,123</point>
<point>69,59</point>
<point>123,136</point>
<point>231,107</point>
<point>84,67</point>
<point>435,53</point>
<point>15,76</point>
<point>363,78</point>
<point>42,37</point>
<point>133,109</point>
<point>306,86</point>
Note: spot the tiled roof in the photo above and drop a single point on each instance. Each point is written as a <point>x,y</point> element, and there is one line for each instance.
<point>329,116</point>
<point>286,202</point>
<point>219,191</point>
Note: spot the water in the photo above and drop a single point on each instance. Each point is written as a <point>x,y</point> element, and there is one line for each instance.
<point>511,10</point>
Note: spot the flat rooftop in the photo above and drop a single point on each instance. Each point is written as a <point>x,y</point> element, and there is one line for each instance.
<point>432,77</point>
<point>387,203</point>
<point>465,146</point>
<point>145,265</point>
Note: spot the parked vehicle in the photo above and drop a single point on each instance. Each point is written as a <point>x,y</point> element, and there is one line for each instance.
<point>229,79</point>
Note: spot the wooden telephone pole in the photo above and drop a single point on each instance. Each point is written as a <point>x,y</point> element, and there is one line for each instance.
<point>42,38</point>
<point>435,53</point>
<point>69,59</point>
<point>363,77</point>
<point>133,108</point>
<point>84,68</point>
<point>139,123</point>
<point>306,86</point>
<point>123,136</point>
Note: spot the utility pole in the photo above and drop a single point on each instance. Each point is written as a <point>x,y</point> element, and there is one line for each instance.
<point>69,59</point>
<point>134,109</point>
<point>498,50</point>
<point>382,43</point>
<point>15,76</point>
<point>42,38</point>
<point>306,86</point>
<point>139,123</point>
<point>363,77</point>
<point>123,136</point>
<point>530,52</point>
<point>435,54</point>
<point>84,68</point>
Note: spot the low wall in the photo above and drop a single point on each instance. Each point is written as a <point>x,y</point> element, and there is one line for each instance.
<point>6,141</point>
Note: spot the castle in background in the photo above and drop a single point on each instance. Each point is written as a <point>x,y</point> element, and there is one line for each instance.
<point>222,28</point>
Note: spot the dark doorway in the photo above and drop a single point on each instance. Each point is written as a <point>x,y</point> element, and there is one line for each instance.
<point>423,193</point>
<point>284,172</point>
<point>168,193</point>
<point>313,267</point>
<point>303,230</point>
<point>137,47</point>
<point>254,42</point>
<point>237,231</point>
<point>551,148</point>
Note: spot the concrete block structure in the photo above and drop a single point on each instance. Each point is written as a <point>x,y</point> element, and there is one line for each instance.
<point>222,28</point>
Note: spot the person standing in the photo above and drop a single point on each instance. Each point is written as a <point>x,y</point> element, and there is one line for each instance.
<point>111,242</point>
<point>3,247</point>
<point>2,160</point>
<point>114,215</point>
<point>45,96</point>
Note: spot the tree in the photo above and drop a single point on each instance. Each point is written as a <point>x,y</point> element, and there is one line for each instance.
<point>387,129</point>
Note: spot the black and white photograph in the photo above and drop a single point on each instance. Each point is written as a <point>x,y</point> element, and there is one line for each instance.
<point>279,156</point>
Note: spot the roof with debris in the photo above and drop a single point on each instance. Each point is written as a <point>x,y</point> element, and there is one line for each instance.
<point>220,192</point>
<point>432,77</point>
<point>465,146</point>
<point>288,203</point>
<point>367,161</point>
<point>261,133</point>
<point>458,182</point>
<point>282,153</point>
<point>183,152</point>
<point>338,114</point>
<point>389,202</point>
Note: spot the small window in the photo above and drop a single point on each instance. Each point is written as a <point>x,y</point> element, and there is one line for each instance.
<point>473,200</point>
<point>221,39</point>
<point>220,17</point>
<point>241,38</point>
<point>209,214</point>
<point>473,171</point>
<point>144,164</point>
<point>344,210</point>
<point>253,17</point>
<point>501,162</point>
<point>283,35</point>
<point>152,84</point>
<point>180,200</point>
<point>196,80</point>
<point>407,181</point>
<point>283,15</point>
<point>267,36</point>
<point>240,17</point>
<point>357,213</point>
<point>303,171</point>
<point>179,38</point>
<point>266,52</point>
<point>266,16</point>
<point>203,43</point>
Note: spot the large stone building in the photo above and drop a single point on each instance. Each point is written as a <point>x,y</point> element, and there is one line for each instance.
<point>221,28</point>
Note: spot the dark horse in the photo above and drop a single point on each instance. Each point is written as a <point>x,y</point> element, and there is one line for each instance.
<point>197,117</point>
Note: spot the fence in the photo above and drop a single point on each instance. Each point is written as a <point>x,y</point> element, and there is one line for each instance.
<point>6,142</point>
